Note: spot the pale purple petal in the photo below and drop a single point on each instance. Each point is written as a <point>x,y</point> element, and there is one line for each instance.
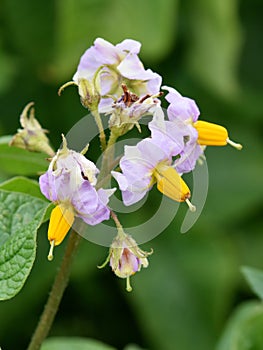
<point>102,213</point>
<point>105,105</point>
<point>47,187</point>
<point>88,65</point>
<point>104,195</point>
<point>105,52</point>
<point>132,191</point>
<point>172,94</point>
<point>135,169</point>
<point>90,205</point>
<point>85,199</point>
<point>55,187</point>
<point>154,84</point>
<point>121,179</point>
<point>109,81</point>
<point>132,197</point>
<point>135,262</point>
<point>101,54</point>
<point>132,68</point>
<point>181,107</point>
<point>169,136</point>
<point>151,153</point>
<point>129,45</point>
<point>128,263</point>
<point>188,158</point>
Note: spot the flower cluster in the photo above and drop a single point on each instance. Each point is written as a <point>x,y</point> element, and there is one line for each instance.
<point>112,80</point>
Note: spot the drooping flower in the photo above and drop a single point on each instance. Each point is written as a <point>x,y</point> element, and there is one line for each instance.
<point>32,136</point>
<point>70,183</point>
<point>185,113</point>
<point>104,67</point>
<point>125,257</point>
<point>144,165</point>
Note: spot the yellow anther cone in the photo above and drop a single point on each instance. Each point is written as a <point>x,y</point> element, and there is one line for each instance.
<point>170,183</point>
<point>210,134</point>
<point>61,220</point>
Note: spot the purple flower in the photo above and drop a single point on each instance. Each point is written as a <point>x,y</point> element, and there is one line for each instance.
<point>105,67</point>
<point>183,113</point>
<point>138,165</point>
<point>69,183</point>
<point>70,179</point>
<point>125,257</point>
<point>144,165</point>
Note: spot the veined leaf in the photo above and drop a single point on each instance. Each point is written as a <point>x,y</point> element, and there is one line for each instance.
<point>20,217</point>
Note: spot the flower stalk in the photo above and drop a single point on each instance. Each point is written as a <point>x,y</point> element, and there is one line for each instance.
<point>98,121</point>
<point>56,293</point>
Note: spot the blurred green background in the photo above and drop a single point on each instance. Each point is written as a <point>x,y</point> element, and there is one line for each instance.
<point>209,50</point>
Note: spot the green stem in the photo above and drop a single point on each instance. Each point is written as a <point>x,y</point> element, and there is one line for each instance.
<point>56,294</point>
<point>107,161</point>
<point>98,121</point>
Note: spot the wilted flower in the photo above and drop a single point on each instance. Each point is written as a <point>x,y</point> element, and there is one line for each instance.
<point>104,67</point>
<point>32,136</point>
<point>70,183</point>
<point>125,257</point>
<point>129,109</point>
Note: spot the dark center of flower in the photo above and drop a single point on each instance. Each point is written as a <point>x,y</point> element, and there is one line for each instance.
<point>128,97</point>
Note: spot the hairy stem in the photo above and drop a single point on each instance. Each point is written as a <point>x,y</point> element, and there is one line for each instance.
<point>56,294</point>
<point>98,121</point>
<point>108,162</point>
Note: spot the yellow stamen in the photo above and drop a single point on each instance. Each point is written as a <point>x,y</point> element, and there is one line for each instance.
<point>170,183</point>
<point>210,134</point>
<point>61,220</point>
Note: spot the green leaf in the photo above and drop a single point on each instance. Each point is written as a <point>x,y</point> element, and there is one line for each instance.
<point>255,279</point>
<point>20,217</point>
<point>18,161</point>
<point>244,329</point>
<point>63,343</point>
<point>23,185</point>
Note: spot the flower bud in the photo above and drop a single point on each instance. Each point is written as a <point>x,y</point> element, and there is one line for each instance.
<point>126,258</point>
<point>31,137</point>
